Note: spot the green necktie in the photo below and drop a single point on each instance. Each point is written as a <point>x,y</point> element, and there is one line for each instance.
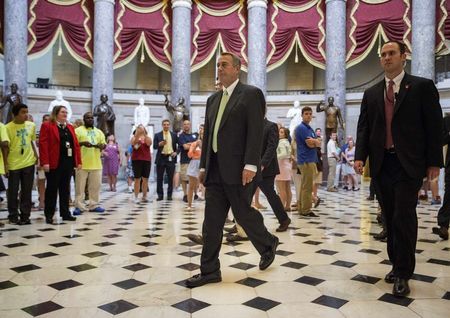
<point>223,104</point>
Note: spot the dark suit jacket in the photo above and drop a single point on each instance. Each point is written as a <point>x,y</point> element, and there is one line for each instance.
<point>416,126</point>
<point>269,149</point>
<point>157,139</point>
<point>446,138</point>
<point>239,137</point>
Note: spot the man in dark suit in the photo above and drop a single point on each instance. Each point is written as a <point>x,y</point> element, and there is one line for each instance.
<point>443,217</point>
<point>269,169</point>
<point>166,143</point>
<point>399,129</point>
<point>229,167</point>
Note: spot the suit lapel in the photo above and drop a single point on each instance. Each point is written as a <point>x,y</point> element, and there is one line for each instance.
<point>232,102</point>
<point>404,87</point>
<point>380,98</point>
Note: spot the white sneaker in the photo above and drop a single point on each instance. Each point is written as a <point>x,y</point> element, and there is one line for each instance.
<point>130,190</point>
<point>136,200</point>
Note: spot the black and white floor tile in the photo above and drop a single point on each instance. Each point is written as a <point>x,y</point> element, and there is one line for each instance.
<point>132,260</point>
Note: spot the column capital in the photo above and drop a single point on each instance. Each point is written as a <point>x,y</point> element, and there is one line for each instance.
<point>182,3</point>
<point>109,1</point>
<point>256,3</point>
<point>327,1</point>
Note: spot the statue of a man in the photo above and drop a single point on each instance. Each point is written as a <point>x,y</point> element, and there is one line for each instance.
<point>177,112</point>
<point>334,116</point>
<point>8,101</point>
<point>60,101</point>
<point>295,113</point>
<point>141,114</point>
<point>105,116</point>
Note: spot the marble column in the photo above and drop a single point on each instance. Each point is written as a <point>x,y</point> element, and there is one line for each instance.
<point>15,45</point>
<point>423,38</point>
<point>103,73</point>
<point>181,51</point>
<point>335,73</point>
<point>257,43</point>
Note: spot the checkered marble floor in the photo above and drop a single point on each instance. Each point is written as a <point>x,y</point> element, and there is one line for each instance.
<point>132,261</point>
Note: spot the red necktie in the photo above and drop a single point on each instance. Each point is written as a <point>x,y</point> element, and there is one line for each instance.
<point>389,113</point>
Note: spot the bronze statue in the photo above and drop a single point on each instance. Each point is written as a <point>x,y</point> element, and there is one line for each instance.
<point>177,112</point>
<point>105,116</point>
<point>8,101</point>
<point>334,116</point>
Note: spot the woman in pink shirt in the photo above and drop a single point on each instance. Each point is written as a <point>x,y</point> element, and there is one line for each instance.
<point>195,152</point>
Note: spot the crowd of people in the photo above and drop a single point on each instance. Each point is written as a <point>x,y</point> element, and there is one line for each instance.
<point>236,154</point>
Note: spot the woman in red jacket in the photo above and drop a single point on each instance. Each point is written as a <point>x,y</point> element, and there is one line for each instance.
<point>59,154</point>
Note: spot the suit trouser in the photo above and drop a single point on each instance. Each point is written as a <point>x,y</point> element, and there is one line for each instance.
<point>267,186</point>
<point>22,178</point>
<point>219,198</point>
<point>398,199</point>
<point>58,181</point>
<point>444,212</point>
<point>94,183</point>
<point>307,170</point>
<point>332,163</point>
<point>164,165</point>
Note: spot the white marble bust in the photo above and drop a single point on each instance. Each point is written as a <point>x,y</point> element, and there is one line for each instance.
<point>141,114</point>
<point>60,101</point>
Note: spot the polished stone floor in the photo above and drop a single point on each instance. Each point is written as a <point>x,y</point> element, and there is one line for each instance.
<point>132,261</point>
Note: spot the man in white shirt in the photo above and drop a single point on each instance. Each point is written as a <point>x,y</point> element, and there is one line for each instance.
<point>333,158</point>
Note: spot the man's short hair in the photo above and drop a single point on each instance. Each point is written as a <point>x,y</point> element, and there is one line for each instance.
<point>234,57</point>
<point>306,109</point>
<point>17,107</point>
<point>401,45</point>
<point>165,120</point>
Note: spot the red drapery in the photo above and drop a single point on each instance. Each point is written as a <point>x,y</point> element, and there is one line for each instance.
<point>366,21</point>
<point>218,23</point>
<point>72,21</point>
<point>144,27</point>
<point>291,23</point>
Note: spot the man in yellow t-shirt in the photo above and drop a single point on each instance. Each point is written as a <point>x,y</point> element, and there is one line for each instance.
<point>19,164</point>
<point>92,142</point>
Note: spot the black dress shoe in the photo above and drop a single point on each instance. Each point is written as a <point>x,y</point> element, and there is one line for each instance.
<point>13,220</point>
<point>370,198</point>
<point>49,220</point>
<point>389,278</point>
<point>401,287</point>
<point>230,230</point>
<point>169,198</point>
<point>268,257</point>
<point>284,225</point>
<point>200,280</point>
<point>381,236</point>
<point>159,199</point>
<point>196,238</point>
<point>69,218</point>
<point>442,232</point>
<point>24,222</point>
<point>185,198</point>
<point>236,238</point>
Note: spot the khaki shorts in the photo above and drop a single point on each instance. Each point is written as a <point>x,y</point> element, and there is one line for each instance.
<point>183,172</point>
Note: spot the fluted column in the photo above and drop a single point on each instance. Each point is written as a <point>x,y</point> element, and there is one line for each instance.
<point>423,38</point>
<point>336,52</point>
<point>15,45</point>
<point>257,43</point>
<point>103,74</point>
<point>181,51</point>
